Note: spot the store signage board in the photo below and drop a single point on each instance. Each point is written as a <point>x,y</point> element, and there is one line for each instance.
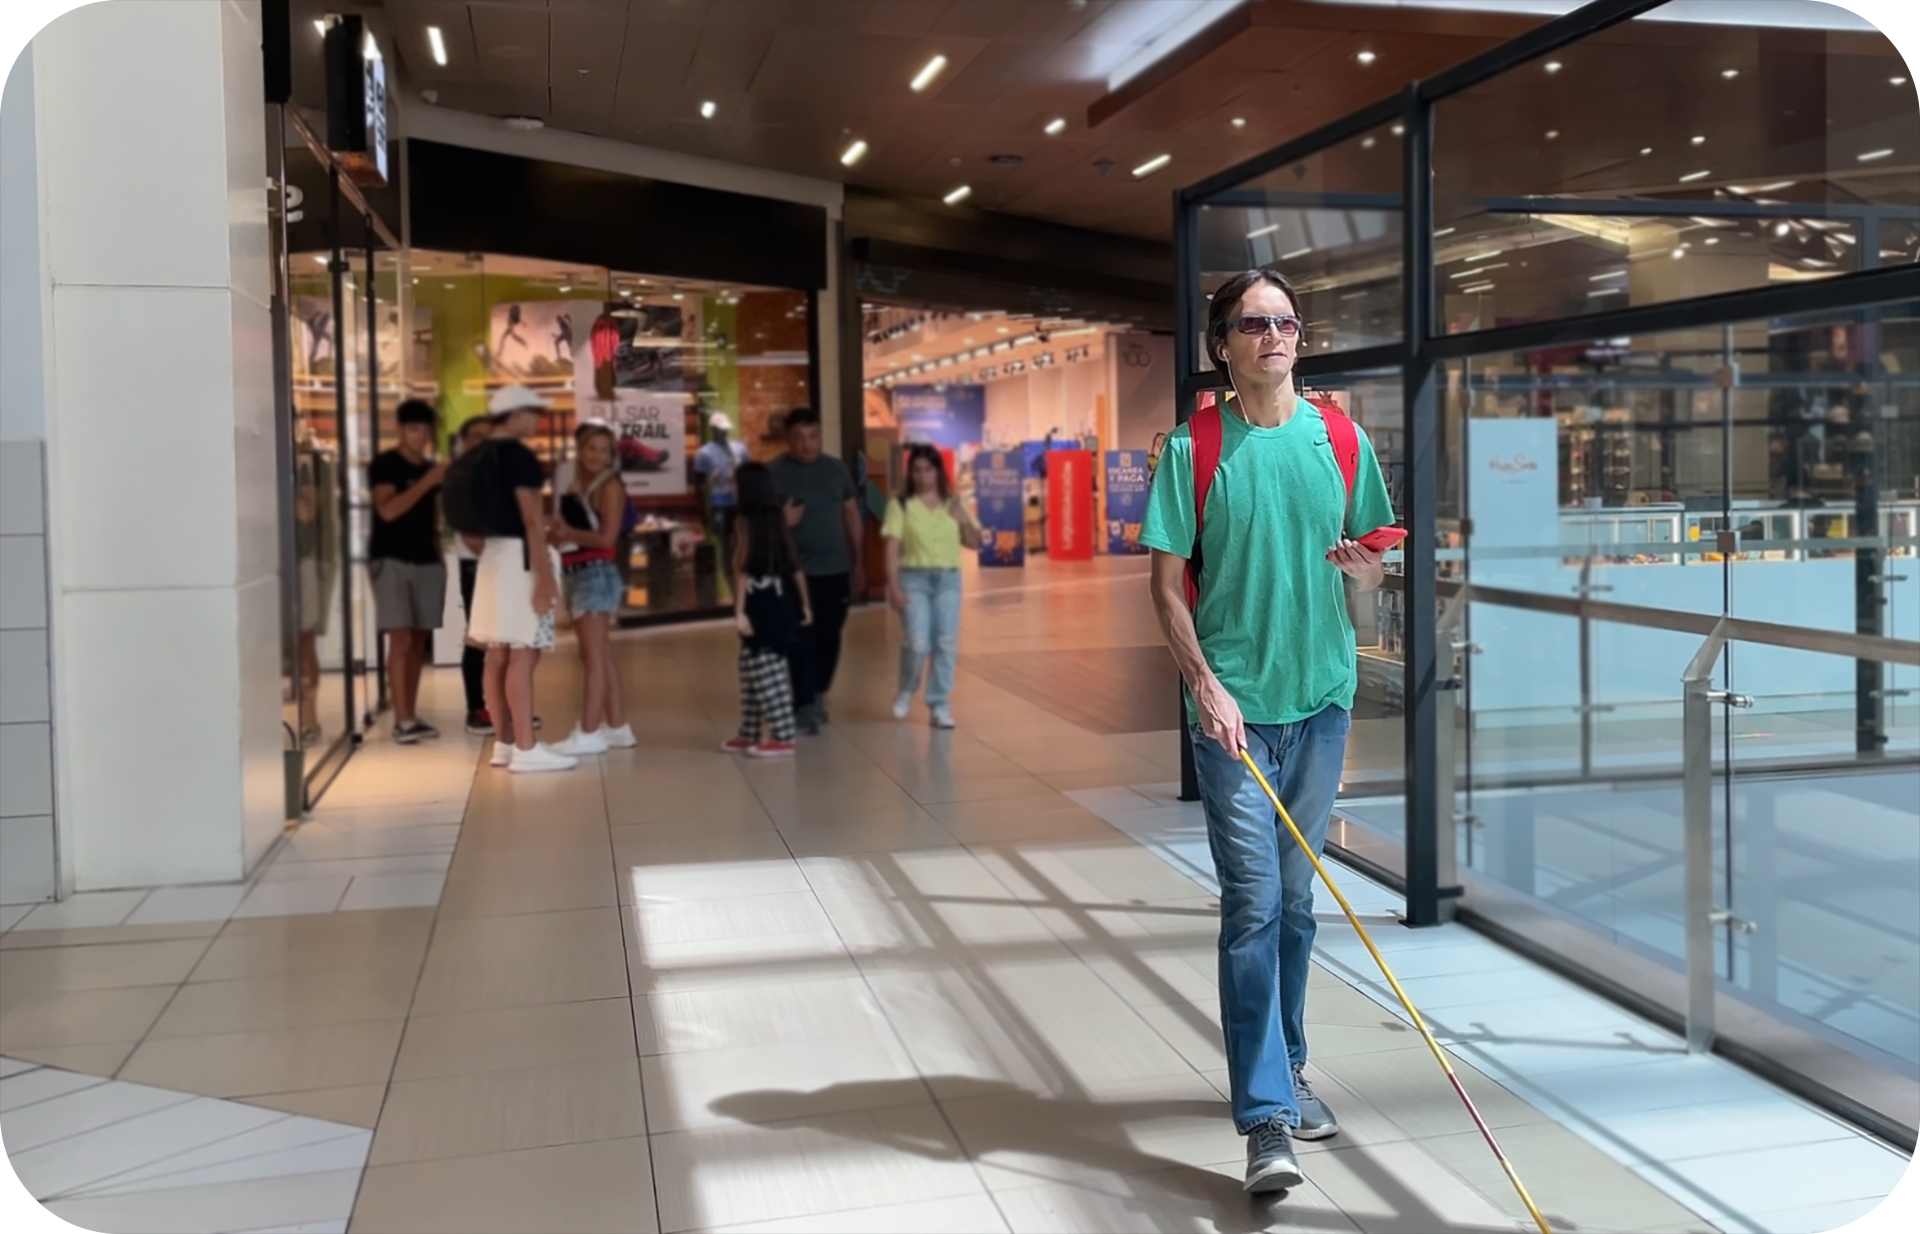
<point>1000,495</point>
<point>943,415</point>
<point>650,431</point>
<point>1070,505</point>
<point>356,75</point>
<point>1126,501</point>
<point>630,370</point>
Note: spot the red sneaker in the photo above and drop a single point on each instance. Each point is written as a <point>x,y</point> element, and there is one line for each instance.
<point>479,723</point>
<point>737,745</point>
<point>772,749</point>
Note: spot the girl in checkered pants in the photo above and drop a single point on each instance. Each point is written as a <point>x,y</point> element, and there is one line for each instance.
<point>770,606</point>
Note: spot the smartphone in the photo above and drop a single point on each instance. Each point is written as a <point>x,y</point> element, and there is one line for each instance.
<point>1381,539</point>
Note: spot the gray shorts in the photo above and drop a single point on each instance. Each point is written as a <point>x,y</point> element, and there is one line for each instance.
<point>408,595</point>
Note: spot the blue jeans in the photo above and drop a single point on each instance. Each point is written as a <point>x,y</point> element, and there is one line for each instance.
<point>933,629</point>
<point>1266,899</point>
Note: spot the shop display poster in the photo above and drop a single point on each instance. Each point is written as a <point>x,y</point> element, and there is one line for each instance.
<point>1000,494</point>
<point>947,415</point>
<point>650,431</point>
<point>532,342</point>
<point>1126,501</point>
<point>629,373</point>
<point>1070,505</point>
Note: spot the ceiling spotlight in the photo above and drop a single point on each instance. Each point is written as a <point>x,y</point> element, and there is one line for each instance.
<point>1713,240</point>
<point>1699,139</point>
<point>1553,66</point>
<point>321,26</point>
<point>1729,74</point>
<point>1268,230</point>
<point>1873,155</point>
<point>1553,134</point>
<point>1399,130</point>
<point>854,153</point>
<point>1679,253</point>
<point>1645,150</point>
<point>925,76</point>
<point>1691,176</point>
<point>320,259</point>
<point>437,44</point>
<point>566,289</point>
<point>1366,57</point>
<point>1781,229</point>
<point>958,195</point>
<point>1368,143</point>
<point>708,108</point>
<point>1239,122</point>
<point>1152,165</point>
<point>1055,126</point>
<point>1896,81</point>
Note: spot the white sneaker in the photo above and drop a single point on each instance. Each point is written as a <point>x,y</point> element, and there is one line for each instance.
<point>942,717</point>
<point>621,738</point>
<point>582,744</point>
<point>502,754</point>
<point>541,758</point>
<point>902,704</point>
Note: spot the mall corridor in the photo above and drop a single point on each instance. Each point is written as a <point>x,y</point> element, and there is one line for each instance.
<point>911,981</point>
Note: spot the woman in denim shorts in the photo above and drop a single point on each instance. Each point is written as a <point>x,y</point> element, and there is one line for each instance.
<point>592,512</point>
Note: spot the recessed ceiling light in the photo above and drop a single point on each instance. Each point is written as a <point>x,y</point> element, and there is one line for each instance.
<point>1445,231</point>
<point>1896,81</point>
<point>566,289</point>
<point>1645,150</point>
<point>1610,274</point>
<point>854,153</point>
<point>1553,66</point>
<point>1268,230</point>
<point>437,44</point>
<point>1553,134</point>
<point>1296,253</point>
<point>1152,165</point>
<point>1679,253</point>
<point>1713,239</point>
<point>708,108</point>
<point>1486,256</point>
<point>925,76</point>
<point>321,26</point>
<point>1872,155</point>
<point>1055,126</point>
<point>1399,130</point>
<point>1691,176</point>
<point>1477,288</point>
<point>1368,143</point>
<point>1781,229</point>
<point>1729,74</point>
<point>320,259</point>
<point>1699,139</point>
<point>679,295</point>
<point>958,195</point>
<point>1239,122</point>
<point>1366,57</point>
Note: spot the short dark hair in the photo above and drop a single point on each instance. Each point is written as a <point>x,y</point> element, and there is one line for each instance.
<point>417,411</point>
<point>801,415</point>
<point>1226,302</point>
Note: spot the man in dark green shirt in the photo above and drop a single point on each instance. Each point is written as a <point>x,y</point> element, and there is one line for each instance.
<point>823,508</point>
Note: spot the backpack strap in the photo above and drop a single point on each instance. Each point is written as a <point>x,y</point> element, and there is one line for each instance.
<point>1344,438</point>
<point>1208,435</point>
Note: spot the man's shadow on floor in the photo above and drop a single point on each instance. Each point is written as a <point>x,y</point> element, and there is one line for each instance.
<point>1158,1193</point>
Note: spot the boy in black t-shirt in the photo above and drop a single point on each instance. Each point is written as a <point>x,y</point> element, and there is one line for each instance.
<point>404,562</point>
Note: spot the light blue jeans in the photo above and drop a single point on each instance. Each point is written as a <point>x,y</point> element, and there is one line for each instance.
<point>1266,898</point>
<point>933,630</point>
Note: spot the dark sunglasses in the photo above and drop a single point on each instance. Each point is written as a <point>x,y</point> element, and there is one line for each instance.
<point>1286,325</point>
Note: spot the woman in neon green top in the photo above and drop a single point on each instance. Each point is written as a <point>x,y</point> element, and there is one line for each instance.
<point>924,530</point>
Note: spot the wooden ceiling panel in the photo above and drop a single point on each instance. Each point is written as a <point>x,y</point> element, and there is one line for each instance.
<point>594,39</point>
<point>1001,67</point>
<point>666,12</point>
<point>727,58</point>
<point>831,66</point>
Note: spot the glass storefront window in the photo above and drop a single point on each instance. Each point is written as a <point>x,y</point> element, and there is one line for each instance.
<point>665,362</point>
<point>1332,224</point>
<point>1661,160</point>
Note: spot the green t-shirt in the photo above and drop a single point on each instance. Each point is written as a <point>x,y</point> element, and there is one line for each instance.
<point>1272,616</point>
<point>823,486</point>
<point>929,539</point>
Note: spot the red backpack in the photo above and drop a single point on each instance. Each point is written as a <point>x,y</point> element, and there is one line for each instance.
<point>1208,433</point>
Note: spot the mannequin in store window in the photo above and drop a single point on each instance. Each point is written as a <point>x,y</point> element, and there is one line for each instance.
<point>715,463</point>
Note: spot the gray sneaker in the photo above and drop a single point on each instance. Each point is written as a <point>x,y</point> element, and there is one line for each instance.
<point>1270,1163</point>
<point>1316,1120</point>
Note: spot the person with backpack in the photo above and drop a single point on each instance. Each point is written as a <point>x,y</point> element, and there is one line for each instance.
<point>924,530</point>
<point>593,517</point>
<point>771,610</point>
<point>493,494</point>
<point>1253,517</point>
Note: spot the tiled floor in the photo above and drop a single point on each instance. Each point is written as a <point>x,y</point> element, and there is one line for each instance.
<point>911,981</point>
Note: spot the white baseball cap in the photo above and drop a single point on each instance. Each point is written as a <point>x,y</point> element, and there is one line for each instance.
<point>514,398</point>
<point>720,421</point>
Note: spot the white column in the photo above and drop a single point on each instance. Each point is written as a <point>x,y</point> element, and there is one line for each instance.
<point>150,134</point>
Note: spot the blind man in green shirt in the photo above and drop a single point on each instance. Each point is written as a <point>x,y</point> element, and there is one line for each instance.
<point>1266,651</point>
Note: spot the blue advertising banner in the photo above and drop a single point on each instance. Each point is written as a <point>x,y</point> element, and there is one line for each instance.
<point>950,416</point>
<point>1126,501</point>
<point>999,494</point>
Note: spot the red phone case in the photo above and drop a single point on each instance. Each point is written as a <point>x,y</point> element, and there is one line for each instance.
<point>1380,539</point>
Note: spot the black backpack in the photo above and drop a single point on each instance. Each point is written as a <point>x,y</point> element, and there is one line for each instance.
<point>475,496</point>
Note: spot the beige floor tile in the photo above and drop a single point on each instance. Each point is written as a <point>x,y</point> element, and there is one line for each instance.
<point>386,945</point>
<point>106,966</point>
<point>387,922</point>
<point>516,1038</point>
<point>79,1018</point>
<point>835,1163</point>
<point>82,936</point>
<point>500,1111</point>
<point>966,786</point>
<point>1188,1200</point>
<point>960,1214</point>
<point>485,963</point>
<point>269,1061</point>
<point>480,864</point>
<point>99,1060</point>
<point>1070,822</point>
<point>777,1083</point>
<point>1411,1091</point>
<point>1400,1189</point>
<point>768,1012</point>
<point>1577,1186</point>
<point>530,893</point>
<point>208,1007</point>
<point>1193,1031</point>
<point>588,1187</point>
<point>304,1198</point>
<point>665,922</point>
<point>357,1105</point>
<point>871,837</point>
